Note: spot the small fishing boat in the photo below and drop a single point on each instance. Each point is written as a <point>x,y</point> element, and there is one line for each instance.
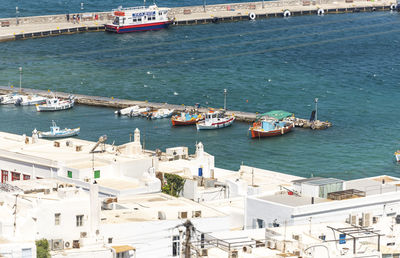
<point>55,132</point>
<point>56,104</point>
<point>140,18</point>
<point>132,111</point>
<point>161,113</point>
<point>9,98</point>
<point>271,124</point>
<point>215,120</point>
<point>29,100</point>
<point>186,119</point>
<point>397,155</point>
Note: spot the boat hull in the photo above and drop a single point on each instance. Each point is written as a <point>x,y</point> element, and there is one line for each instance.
<point>217,125</point>
<point>44,108</point>
<point>60,134</point>
<point>259,133</point>
<point>137,28</point>
<point>182,123</point>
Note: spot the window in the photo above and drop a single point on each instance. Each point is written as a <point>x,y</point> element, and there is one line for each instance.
<point>57,218</point>
<point>70,174</point>
<point>175,246</point>
<point>79,220</point>
<point>4,176</point>
<point>15,176</point>
<point>97,174</point>
<point>26,177</point>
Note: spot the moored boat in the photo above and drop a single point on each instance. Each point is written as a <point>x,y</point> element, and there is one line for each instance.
<point>141,18</point>
<point>397,155</point>
<point>161,113</point>
<point>186,119</point>
<point>271,124</point>
<point>132,111</point>
<point>56,104</point>
<point>9,98</point>
<point>215,120</point>
<point>55,132</point>
<point>29,100</point>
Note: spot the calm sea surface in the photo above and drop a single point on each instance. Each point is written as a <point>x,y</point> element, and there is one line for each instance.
<point>349,61</point>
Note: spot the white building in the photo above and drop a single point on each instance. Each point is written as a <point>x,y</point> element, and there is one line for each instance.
<point>361,202</point>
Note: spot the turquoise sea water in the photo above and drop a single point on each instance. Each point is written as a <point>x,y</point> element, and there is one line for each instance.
<point>348,61</point>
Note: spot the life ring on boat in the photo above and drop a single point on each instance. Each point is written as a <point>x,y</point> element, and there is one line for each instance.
<point>286,13</point>
<point>392,7</point>
<point>67,244</point>
<point>252,16</point>
<point>320,11</point>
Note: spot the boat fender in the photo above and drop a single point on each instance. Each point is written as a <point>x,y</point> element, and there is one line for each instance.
<point>320,11</point>
<point>393,7</point>
<point>282,130</point>
<point>286,13</point>
<point>373,9</point>
<point>252,16</point>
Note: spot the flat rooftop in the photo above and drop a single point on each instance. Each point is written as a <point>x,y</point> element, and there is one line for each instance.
<point>375,185</point>
<point>292,200</point>
<point>155,207</point>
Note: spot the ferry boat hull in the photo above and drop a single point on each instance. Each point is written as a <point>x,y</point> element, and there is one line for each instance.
<point>258,132</point>
<point>138,27</point>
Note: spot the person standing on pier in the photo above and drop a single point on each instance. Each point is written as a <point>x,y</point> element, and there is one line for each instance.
<point>67,17</point>
<point>73,18</point>
<point>77,17</point>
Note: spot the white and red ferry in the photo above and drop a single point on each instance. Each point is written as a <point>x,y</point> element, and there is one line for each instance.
<point>139,18</point>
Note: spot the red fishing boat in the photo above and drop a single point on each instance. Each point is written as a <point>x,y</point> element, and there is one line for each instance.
<point>186,119</point>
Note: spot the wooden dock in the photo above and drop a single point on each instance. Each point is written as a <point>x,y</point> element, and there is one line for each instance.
<point>53,25</point>
<point>115,103</point>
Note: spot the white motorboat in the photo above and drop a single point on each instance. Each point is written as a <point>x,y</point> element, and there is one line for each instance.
<point>9,98</point>
<point>29,100</point>
<point>161,113</point>
<point>215,120</point>
<point>132,111</point>
<point>55,132</point>
<point>56,104</point>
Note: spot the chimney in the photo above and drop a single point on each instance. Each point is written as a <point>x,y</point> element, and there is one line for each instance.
<point>312,200</point>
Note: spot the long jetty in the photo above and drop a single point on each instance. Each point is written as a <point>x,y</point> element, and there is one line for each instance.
<point>53,25</point>
<point>116,103</point>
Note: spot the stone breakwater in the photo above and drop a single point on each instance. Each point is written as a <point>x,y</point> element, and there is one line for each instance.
<point>115,103</point>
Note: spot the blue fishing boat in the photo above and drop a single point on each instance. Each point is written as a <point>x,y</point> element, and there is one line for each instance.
<point>55,132</point>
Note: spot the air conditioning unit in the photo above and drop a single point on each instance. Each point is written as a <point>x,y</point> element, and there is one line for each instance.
<point>86,179</point>
<point>234,254</point>
<point>83,234</point>
<point>366,221</point>
<point>196,214</point>
<point>296,237</point>
<point>57,244</point>
<point>161,215</point>
<point>182,215</point>
<point>353,219</point>
<point>204,252</point>
<point>76,244</point>
<point>296,253</point>
<point>247,249</point>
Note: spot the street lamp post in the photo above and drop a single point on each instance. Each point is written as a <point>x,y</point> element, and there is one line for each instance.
<point>16,14</point>
<point>204,5</point>
<point>225,92</point>
<point>20,79</point>
<point>316,108</point>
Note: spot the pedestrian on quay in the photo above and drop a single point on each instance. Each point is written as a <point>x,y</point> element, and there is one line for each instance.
<point>78,17</point>
<point>73,18</point>
<point>67,17</point>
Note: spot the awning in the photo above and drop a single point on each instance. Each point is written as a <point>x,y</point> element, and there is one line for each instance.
<point>122,248</point>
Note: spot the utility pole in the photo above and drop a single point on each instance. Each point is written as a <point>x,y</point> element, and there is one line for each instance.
<point>20,79</point>
<point>316,108</point>
<point>189,226</point>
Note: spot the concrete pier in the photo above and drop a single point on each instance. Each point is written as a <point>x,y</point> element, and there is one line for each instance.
<point>247,117</point>
<point>52,25</point>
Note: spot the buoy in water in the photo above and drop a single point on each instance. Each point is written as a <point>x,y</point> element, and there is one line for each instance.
<point>286,13</point>
<point>252,16</point>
